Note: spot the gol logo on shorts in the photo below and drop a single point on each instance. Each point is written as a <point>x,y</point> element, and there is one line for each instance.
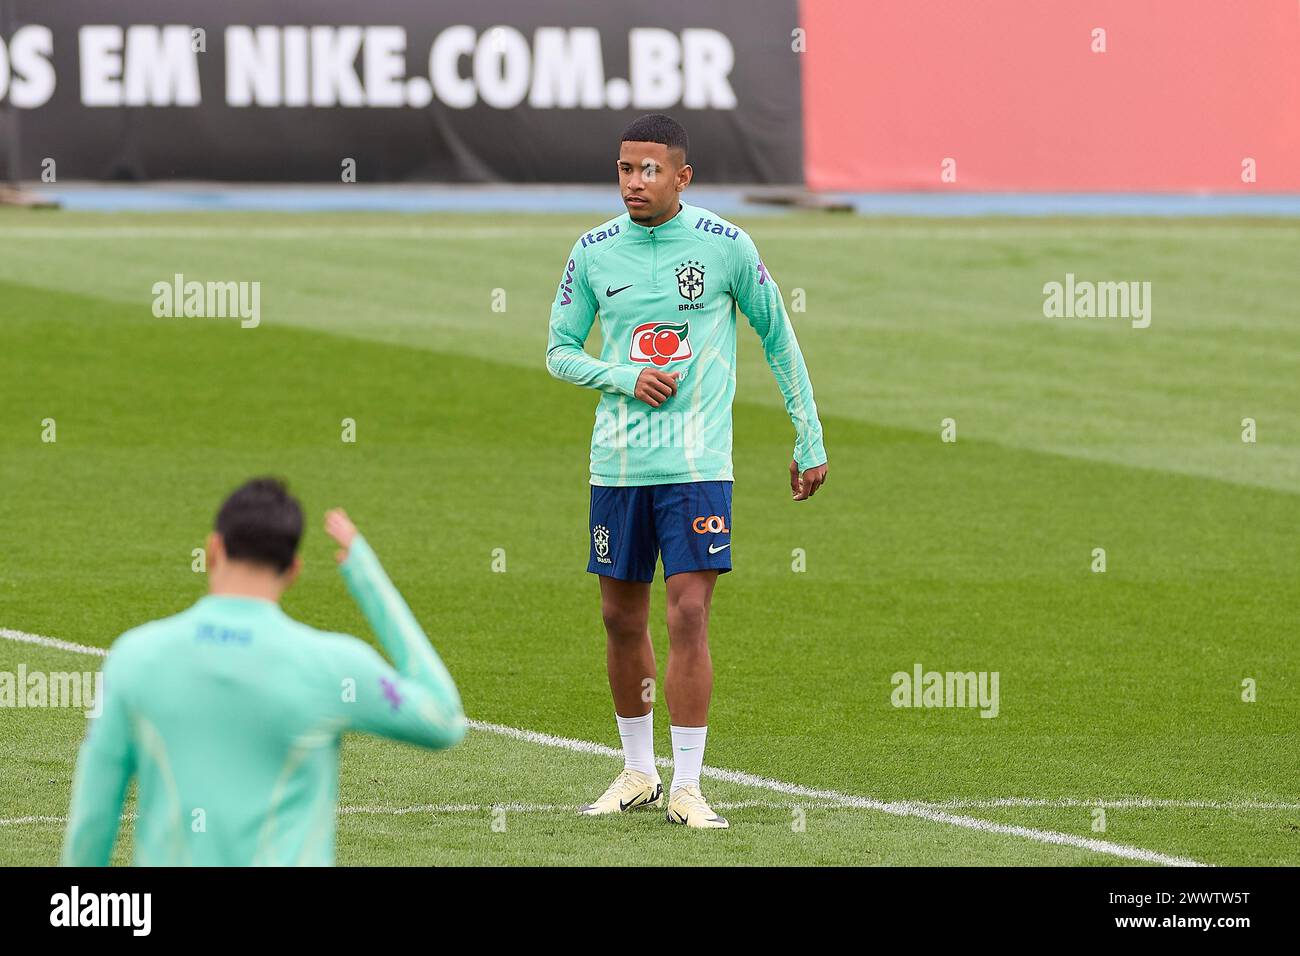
<point>710,525</point>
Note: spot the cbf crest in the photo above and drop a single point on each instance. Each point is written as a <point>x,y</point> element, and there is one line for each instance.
<point>690,280</point>
<point>600,538</point>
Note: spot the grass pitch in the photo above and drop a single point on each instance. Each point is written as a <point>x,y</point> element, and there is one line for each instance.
<point>1072,434</point>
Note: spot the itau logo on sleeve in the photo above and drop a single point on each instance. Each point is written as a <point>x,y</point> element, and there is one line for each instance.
<point>660,343</point>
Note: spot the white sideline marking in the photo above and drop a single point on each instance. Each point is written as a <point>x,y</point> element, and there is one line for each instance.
<point>435,808</point>
<point>1129,803</point>
<point>1142,803</point>
<point>16,821</point>
<point>524,233</point>
<point>54,642</point>
<point>896,808</point>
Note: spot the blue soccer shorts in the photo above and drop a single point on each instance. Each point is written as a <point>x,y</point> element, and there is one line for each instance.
<point>688,523</point>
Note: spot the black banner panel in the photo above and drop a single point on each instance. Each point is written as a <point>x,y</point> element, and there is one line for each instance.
<point>408,90</point>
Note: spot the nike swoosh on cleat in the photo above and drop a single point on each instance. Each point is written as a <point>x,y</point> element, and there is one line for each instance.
<point>713,550</point>
<point>629,805</point>
<point>609,291</point>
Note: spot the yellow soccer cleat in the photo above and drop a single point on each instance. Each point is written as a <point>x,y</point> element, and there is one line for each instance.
<point>687,806</point>
<point>630,790</point>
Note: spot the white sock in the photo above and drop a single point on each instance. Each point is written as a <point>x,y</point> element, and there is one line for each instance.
<point>638,735</point>
<point>688,755</point>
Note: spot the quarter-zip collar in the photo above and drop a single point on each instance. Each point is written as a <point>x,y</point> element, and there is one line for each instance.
<point>678,224</point>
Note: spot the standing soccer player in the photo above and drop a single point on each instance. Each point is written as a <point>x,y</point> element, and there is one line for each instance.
<point>229,714</point>
<point>665,279</point>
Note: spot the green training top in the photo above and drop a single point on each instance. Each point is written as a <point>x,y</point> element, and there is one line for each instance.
<point>667,298</point>
<point>229,715</point>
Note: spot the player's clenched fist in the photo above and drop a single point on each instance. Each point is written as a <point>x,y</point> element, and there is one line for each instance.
<point>655,387</point>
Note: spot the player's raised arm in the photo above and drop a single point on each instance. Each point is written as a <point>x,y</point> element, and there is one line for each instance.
<point>416,700</point>
<point>104,768</point>
<point>759,298</point>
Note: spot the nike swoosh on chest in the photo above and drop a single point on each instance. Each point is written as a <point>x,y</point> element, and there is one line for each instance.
<point>681,281</point>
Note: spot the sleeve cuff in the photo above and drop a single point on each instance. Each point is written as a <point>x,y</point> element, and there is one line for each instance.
<point>360,557</point>
<point>810,457</point>
<point>625,379</point>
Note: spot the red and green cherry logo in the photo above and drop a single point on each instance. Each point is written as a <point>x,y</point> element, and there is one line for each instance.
<point>660,343</point>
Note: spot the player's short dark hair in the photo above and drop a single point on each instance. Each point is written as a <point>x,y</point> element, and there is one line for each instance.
<point>262,523</point>
<point>657,128</point>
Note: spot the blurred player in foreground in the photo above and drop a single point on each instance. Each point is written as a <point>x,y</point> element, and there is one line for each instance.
<point>229,714</point>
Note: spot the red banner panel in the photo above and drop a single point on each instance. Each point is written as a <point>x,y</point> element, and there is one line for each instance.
<point>1051,95</point>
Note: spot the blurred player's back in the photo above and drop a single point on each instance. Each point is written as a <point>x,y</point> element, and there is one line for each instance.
<point>236,711</point>
<point>229,714</point>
